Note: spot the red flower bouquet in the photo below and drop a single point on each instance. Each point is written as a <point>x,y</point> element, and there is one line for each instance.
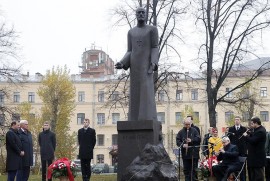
<point>63,167</point>
<point>206,164</point>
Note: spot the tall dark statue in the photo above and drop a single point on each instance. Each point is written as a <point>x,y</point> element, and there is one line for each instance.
<point>142,59</point>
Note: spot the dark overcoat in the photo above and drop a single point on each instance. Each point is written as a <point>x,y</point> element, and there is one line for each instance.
<point>27,146</point>
<point>230,156</point>
<point>195,141</point>
<point>47,143</point>
<point>238,140</point>
<point>256,148</point>
<point>14,148</point>
<point>87,142</point>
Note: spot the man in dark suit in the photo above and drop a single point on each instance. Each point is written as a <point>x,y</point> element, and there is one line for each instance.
<point>267,151</point>
<point>256,150</point>
<point>47,143</point>
<point>14,151</point>
<point>230,162</point>
<point>87,142</point>
<point>235,134</point>
<point>188,138</point>
<point>27,146</point>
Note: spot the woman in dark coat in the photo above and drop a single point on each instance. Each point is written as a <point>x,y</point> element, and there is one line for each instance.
<point>14,151</point>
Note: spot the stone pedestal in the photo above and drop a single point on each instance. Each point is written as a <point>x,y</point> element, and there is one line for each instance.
<point>132,138</point>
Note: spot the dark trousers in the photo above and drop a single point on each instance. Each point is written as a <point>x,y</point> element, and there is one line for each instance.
<point>222,171</point>
<point>44,166</point>
<point>86,169</point>
<point>23,174</point>
<point>255,174</point>
<point>267,170</point>
<point>190,167</point>
<point>11,175</point>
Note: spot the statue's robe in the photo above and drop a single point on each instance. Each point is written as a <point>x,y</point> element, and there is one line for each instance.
<point>142,51</point>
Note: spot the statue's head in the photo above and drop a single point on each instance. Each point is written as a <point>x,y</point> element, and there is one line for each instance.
<point>140,14</point>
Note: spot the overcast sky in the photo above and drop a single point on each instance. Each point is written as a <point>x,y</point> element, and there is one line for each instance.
<point>56,32</point>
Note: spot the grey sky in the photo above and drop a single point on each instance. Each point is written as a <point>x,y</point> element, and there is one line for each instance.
<point>56,32</point>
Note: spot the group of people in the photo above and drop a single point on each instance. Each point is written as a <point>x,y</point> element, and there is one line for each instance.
<point>19,146</point>
<point>252,143</point>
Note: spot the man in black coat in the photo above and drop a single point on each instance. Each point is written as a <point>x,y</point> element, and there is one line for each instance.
<point>256,150</point>
<point>188,139</point>
<point>14,151</point>
<point>47,143</point>
<point>205,142</point>
<point>27,146</point>
<point>267,152</point>
<point>230,162</point>
<point>235,134</point>
<point>87,142</point>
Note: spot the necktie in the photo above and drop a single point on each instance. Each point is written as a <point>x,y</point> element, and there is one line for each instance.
<point>237,128</point>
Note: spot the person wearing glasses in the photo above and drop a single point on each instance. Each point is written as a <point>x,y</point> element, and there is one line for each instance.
<point>188,139</point>
<point>228,154</point>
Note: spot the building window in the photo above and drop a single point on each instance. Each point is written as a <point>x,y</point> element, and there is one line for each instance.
<point>100,140</point>
<point>161,117</point>
<point>229,95</point>
<point>114,139</point>
<point>115,96</point>
<point>194,94</point>
<point>16,97</point>
<point>228,116</point>
<point>178,117</point>
<point>2,97</point>
<point>246,116</point>
<point>100,118</point>
<point>100,158</point>
<point>264,115</point>
<point>31,97</point>
<point>196,116</point>
<point>245,93</point>
<point>161,95</point>
<point>179,95</point>
<point>2,119</point>
<point>263,92</point>
<point>115,117</point>
<point>16,117</point>
<point>100,96</point>
<point>81,96</point>
<point>80,118</point>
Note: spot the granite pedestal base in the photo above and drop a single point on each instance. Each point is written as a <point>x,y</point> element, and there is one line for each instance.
<point>132,138</point>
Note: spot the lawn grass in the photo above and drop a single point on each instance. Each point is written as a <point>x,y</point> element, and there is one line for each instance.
<point>78,178</point>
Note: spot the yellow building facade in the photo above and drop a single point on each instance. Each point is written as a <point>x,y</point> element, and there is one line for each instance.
<point>97,100</point>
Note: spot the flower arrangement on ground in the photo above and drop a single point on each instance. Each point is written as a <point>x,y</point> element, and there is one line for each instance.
<point>63,167</point>
<point>206,164</point>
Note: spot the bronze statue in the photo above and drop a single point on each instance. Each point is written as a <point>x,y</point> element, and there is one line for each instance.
<point>142,59</point>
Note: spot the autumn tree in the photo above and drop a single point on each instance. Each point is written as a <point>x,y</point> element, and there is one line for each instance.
<point>9,60</point>
<point>58,95</point>
<point>231,30</point>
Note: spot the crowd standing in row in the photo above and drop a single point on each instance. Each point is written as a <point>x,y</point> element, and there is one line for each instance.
<point>238,141</point>
<point>19,146</point>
